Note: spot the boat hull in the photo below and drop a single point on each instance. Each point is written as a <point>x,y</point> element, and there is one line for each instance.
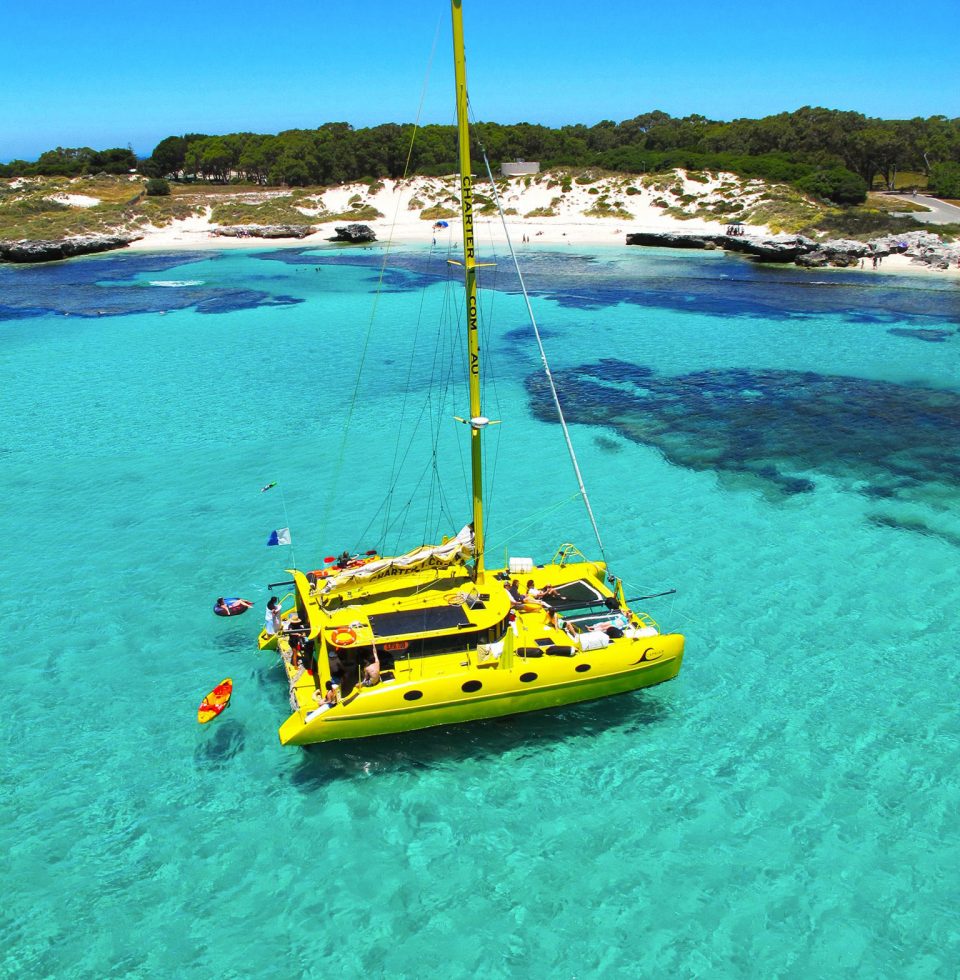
<point>442,700</point>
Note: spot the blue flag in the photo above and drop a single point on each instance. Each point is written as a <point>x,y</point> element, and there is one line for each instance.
<point>280,536</point>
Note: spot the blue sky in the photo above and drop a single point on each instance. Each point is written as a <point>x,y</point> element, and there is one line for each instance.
<point>108,73</point>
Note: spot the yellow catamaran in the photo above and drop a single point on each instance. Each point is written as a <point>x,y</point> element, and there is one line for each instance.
<point>433,637</point>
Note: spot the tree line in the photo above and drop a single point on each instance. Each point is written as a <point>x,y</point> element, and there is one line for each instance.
<point>832,153</point>
<point>73,162</point>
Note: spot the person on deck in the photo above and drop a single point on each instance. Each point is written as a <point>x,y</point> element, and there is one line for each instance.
<point>371,671</point>
<point>557,622</point>
<point>271,621</point>
<point>539,595</point>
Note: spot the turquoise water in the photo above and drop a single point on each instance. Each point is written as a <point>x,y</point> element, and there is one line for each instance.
<point>789,806</point>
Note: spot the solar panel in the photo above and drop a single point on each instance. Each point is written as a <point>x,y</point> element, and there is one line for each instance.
<point>426,620</point>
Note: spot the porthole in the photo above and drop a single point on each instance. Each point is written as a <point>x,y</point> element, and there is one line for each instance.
<point>529,676</point>
<point>413,695</point>
<point>470,686</point>
<point>582,668</point>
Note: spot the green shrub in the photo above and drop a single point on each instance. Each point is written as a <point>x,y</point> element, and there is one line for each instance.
<point>157,187</point>
<point>945,179</point>
<point>838,184</point>
<point>437,212</point>
<point>633,190</point>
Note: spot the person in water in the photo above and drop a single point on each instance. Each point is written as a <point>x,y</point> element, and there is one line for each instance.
<point>221,608</point>
<point>271,621</point>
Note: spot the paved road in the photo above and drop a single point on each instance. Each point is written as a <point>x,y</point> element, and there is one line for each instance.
<point>940,213</point>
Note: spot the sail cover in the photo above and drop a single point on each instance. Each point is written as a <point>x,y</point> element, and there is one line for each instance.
<point>456,549</point>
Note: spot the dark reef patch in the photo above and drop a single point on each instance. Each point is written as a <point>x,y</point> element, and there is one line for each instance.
<point>916,525</point>
<point>230,300</point>
<point>218,747</point>
<point>931,336</point>
<point>776,428</point>
<point>113,286</point>
<point>607,444</point>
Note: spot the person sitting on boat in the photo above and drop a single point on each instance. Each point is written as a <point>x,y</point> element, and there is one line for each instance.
<point>326,699</point>
<point>516,596</point>
<point>344,560</point>
<point>371,670</point>
<point>557,622</point>
<point>612,627</point>
<point>271,622</point>
<point>539,595</point>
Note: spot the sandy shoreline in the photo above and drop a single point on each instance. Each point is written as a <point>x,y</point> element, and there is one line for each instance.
<point>400,202</point>
<point>559,233</point>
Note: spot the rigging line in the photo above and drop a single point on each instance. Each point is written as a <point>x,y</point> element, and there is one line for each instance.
<point>491,453</point>
<point>405,512</point>
<point>330,496</point>
<point>543,359</point>
<point>533,519</point>
<point>286,523</point>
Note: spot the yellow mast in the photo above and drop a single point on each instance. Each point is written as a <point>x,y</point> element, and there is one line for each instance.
<point>477,421</point>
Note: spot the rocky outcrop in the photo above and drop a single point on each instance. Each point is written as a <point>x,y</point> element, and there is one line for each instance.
<point>772,248</point>
<point>263,231</point>
<point>923,247</point>
<point>354,233</point>
<point>44,251</point>
<point>671,239</point>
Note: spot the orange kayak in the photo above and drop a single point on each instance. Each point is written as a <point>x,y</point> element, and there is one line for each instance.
<point>215,701</point>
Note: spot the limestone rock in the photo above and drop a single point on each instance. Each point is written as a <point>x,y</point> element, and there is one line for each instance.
<point>354,233</point>
<point>50,251</point>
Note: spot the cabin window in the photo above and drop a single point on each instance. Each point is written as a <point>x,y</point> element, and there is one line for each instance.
<point>470,686</point>
<point>582,668</point>
<point>413,695</point>
<point>529,676</point>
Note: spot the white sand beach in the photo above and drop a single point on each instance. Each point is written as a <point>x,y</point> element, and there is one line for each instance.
<point>539,210</point>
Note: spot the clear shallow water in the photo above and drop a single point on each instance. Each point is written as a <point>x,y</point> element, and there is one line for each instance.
<point>788,806</point>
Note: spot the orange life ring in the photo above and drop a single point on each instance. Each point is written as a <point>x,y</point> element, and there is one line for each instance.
<point>343,636</point>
